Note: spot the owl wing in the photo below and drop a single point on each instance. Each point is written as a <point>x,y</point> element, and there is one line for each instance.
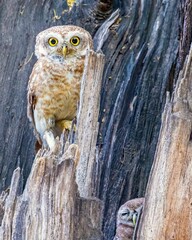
<point>31,102</point>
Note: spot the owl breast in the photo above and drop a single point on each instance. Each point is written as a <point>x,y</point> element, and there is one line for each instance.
<point>56,87</point>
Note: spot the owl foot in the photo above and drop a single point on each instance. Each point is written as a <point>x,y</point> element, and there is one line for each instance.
<point>66,125</point>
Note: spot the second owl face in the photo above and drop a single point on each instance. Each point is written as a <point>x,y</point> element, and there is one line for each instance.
<point>128,212</point>
<point>63,42</point>
<point>127,216</point>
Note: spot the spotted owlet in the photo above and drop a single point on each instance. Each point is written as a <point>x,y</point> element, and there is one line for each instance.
<point>127,219</point>
<point>54,84</point>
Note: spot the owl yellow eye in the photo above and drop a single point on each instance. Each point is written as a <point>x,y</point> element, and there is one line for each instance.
<point>53,41</point>
<point>75,41</point>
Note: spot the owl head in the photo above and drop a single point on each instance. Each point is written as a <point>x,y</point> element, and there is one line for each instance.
<point>63,42</point>
<point>127,214</point>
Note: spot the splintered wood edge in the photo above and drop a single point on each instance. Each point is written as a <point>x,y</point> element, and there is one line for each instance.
<point>87,120</point>
<point>48,173</point>
<point>177,119</point>
<point>63,166</point>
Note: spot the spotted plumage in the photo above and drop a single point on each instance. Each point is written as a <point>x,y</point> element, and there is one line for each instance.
<point>54,84</point>
<point>127,219</point>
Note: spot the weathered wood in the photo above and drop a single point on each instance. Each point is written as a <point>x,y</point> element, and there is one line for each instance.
<point>87,122</point>
<point>19,24</point>
<point>50,206</point>
<point>135,82</point>
<point>144,48</point>
<point>167,212</point>
<point>103,32</point>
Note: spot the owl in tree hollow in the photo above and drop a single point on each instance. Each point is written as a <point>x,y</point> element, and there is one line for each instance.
<point>127,219</point>
<point>54,84</point>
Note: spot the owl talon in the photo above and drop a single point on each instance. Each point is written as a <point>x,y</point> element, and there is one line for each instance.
<point>66,125</point>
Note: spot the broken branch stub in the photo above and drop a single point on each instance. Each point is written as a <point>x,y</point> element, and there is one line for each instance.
<point>50,207</point>
<point>167,212</point>
<point>87,122</point>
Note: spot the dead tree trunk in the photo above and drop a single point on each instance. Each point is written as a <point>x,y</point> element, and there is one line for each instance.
<point>50,206</point>
<point>167,212</point>
<point>145,45</point>
<point>88,126</point>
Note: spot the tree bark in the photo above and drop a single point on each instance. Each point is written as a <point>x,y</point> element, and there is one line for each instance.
<point>50,206</point>
<point>142,69</point>
<point>167,212</point>
<point>145,45</point>
<point>87,127</point>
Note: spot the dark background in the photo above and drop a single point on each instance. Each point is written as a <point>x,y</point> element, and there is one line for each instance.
<point>145,50</point>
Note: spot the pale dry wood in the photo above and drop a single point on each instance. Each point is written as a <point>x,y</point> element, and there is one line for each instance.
<point>103,33</point>
<point>87,121</point>
<point>50,207</point>
<point>168,206</point>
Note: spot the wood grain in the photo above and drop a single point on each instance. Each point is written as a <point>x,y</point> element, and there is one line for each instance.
<point>144,48</point>
<point>50,206</point>
<point>167,212</point>
<point>87,123</point>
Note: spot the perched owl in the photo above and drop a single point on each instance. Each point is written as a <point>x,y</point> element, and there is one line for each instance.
<point>127,218</point>
<point>54,84</point>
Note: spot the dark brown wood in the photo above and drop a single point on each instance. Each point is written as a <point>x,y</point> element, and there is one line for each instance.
<point>145,48</point>
<point>167,212</point>
<point>141,70</point>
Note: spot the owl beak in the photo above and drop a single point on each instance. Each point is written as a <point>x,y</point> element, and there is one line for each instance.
<point>134,219</point>
<point>64,51</point>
